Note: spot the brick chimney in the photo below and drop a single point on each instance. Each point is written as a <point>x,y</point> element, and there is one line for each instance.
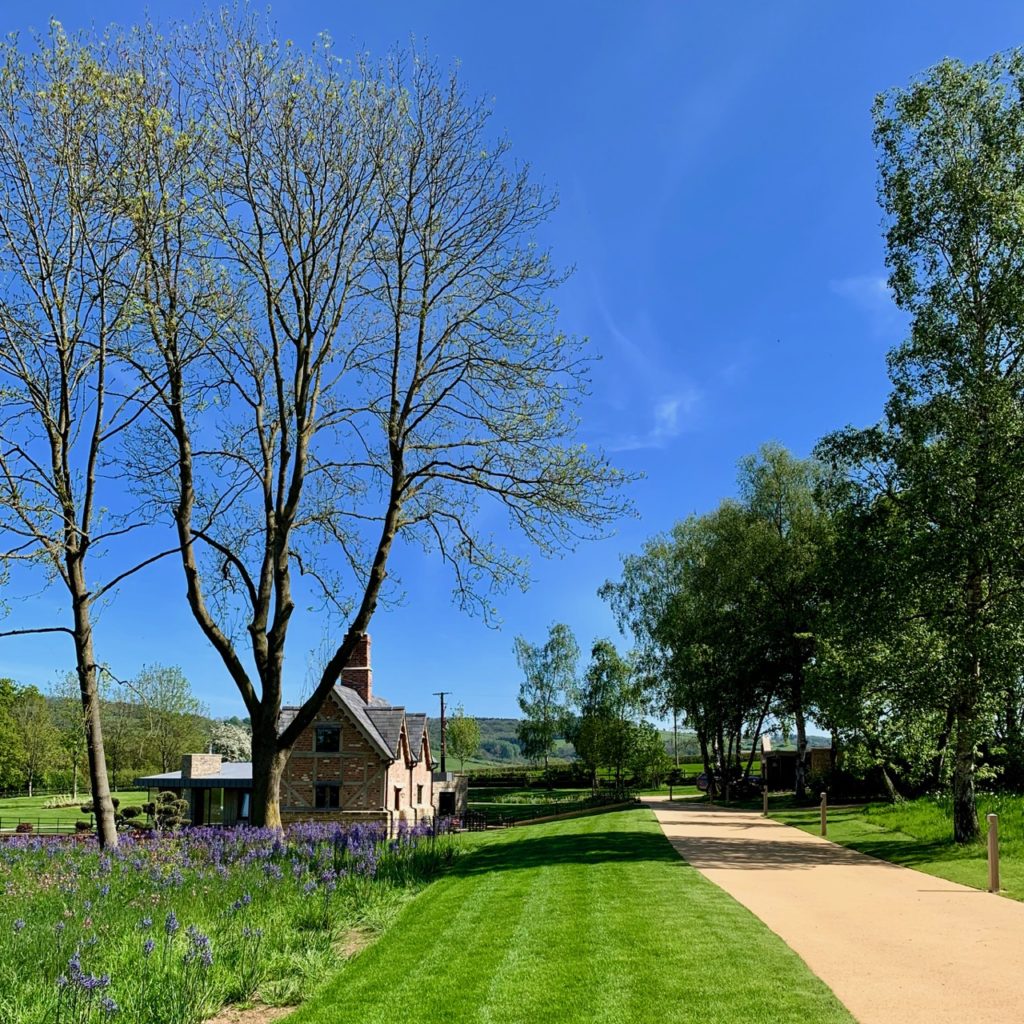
<point>357,673</point>
<point>195,766</point>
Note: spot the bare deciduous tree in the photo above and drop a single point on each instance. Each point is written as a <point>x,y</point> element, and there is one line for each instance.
<point>67,292</point>
<point>345,338</point>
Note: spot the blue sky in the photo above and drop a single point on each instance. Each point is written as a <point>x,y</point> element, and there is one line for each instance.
<point>717,186</point>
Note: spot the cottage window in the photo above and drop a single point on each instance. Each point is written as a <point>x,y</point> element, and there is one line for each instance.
<point>328,739</point>
<point>419,793</point>
<point>398,798</point>
<point>328,795</point>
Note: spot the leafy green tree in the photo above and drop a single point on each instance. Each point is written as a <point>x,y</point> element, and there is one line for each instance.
<point>649,761</point>
<point>949,455</point>
<point>548,690</point>
<point>129,753</point>
<point>10,741</point>
<point>69,720</point>
<point>610,704</point>
<point>36,735</point>
<point>463,735</point>
<point>171,715</point>
<point>725,609</point>
<point>790,537</point>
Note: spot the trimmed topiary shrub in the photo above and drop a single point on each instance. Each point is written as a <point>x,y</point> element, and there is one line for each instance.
<point>170,813</point>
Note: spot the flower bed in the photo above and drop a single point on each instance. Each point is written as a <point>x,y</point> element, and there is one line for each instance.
<point>167,929</point>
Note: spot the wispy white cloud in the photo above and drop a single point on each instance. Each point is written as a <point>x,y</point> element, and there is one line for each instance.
<point>669,417</point>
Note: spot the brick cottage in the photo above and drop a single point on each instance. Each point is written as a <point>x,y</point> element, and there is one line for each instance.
<point>361,759</point>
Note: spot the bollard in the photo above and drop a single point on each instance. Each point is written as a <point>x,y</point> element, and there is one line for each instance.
<point>764,795</point>
<point>993,853</point>
<point>824,814</point>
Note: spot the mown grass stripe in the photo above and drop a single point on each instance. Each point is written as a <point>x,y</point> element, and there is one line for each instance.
<point>587,920</point>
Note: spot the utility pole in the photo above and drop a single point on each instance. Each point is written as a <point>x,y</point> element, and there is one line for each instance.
<point>444,726</point>
<point>675,737</point>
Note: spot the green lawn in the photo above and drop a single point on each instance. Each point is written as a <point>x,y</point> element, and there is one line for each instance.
<point>22,808</point>
<point>918,834</point>
<point>590,920</point>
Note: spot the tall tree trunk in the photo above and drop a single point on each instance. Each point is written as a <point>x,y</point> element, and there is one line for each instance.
<point>941,746</point>
<point>268,766</point>
<point>800,782</point>
<point>103,807</point>
<point>890,786</point>
<point>74,779</point>
<point>966,828</point>
<point>706,757</point>
<point>757,736</point>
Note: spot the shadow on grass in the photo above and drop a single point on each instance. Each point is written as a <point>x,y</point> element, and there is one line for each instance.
<point>547,850</point>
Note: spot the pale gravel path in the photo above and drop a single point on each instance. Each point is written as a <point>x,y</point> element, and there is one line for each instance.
<point>896,946</point>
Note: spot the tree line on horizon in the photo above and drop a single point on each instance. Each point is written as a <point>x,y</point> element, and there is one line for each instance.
<point>149,721</point>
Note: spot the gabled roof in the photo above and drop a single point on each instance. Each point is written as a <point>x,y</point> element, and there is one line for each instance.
<point>416,724</point>
<point>389,724</point>
<point>379,722</point>
<point>359,711</point>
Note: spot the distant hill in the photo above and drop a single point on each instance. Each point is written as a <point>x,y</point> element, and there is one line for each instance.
<point>498,741</point>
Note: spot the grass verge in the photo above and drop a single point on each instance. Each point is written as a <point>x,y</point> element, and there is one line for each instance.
<point>589,920</point>
<point>918,834</point>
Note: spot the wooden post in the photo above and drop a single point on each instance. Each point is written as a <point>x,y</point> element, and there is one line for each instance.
<point>764,796</point>
<point>993,853</point>
<point>824,814</point>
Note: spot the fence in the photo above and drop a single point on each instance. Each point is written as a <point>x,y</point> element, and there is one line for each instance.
<point>21,793</point>
<point>41,826</point>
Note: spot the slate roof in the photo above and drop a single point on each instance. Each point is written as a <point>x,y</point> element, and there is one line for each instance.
<point>416,723</point>
<point>389,724</point>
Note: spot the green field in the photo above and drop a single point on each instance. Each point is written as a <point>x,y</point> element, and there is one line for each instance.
<point>593,919</point>
<point>22,808</point>
<point>918,834</point>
